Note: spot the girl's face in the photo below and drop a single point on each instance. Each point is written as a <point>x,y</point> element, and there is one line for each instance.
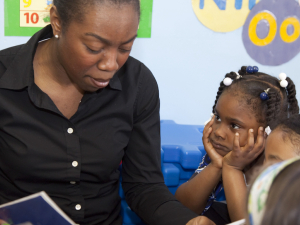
<point>277,148</point>
<point>232,116</point>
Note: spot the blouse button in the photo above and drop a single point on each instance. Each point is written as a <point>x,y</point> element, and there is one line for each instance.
<point>74,163</point>
<point>78,207</point>
<point>72,182</point>
<point>70,130</point>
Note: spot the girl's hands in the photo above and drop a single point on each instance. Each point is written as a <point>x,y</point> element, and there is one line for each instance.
<point>216,159</point>
<point>240,157</point>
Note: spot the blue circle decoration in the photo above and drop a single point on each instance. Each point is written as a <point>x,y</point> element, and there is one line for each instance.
<point>277,52</point>
<point>255,69</point>
<point>264,96</point>
<point>249,69</point>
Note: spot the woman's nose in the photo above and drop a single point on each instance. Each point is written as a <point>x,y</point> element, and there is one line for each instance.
<point>109,61</point>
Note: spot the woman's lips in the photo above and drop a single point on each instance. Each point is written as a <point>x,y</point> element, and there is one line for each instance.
<point>100,84</point>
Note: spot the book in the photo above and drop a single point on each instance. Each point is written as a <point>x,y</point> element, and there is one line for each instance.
<point>36,209</point>
<point>239,222</point>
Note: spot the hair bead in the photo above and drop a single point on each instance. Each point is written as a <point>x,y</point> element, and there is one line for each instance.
<point>268,130</point>
<point>255,69</point>
<point>264,95</point>
<point>284,83</point>
<point>227,81</point>
<point>282,76</point>
<point>249,69</point>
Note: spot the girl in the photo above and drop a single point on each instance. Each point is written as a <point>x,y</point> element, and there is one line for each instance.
<point>247,102</point>
<point>284,141</point>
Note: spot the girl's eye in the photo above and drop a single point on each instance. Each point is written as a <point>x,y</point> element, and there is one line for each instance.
<point>234,126</point>
<point>217,118</point>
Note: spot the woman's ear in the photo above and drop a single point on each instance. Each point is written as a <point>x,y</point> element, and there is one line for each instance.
<point>55,21</point>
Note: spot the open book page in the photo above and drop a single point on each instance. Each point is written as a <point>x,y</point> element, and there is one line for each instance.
<point>239,222</point>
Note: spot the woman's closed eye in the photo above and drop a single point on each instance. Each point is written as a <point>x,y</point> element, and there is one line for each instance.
<point>124,50</point>
<point>93,50</point>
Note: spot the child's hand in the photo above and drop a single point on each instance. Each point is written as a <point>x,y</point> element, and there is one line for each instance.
<point>240,157</point>
<point>216,159</point>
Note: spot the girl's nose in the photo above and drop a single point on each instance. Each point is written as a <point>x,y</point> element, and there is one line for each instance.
<point>219,131</point>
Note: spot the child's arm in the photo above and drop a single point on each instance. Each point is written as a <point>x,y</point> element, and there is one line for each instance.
<point>232,173</point>
<point>194,193</point>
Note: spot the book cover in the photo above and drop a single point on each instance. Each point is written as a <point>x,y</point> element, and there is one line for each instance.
<point>36,209</point>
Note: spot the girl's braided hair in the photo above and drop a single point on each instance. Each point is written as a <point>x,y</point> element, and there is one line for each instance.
<point>282,102</point>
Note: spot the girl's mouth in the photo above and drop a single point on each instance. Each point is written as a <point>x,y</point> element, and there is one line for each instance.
<point>216,145</point>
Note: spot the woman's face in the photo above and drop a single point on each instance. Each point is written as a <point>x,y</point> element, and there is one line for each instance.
<point>232,116</point>
<point>93,50</point>
<point>278,148</point>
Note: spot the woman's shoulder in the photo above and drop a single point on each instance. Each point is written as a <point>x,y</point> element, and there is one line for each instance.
<point>136,72</point>
<point>137,66</point>
<point>7,56</point>
<point>11,51</point>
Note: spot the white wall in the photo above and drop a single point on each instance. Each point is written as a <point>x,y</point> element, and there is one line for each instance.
<point>187,59</point>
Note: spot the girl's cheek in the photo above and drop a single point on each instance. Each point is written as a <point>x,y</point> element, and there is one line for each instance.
<point>213,130</point>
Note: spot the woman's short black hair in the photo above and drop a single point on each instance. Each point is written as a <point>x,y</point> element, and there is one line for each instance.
<point>282,102</point>
<point>70,10</point>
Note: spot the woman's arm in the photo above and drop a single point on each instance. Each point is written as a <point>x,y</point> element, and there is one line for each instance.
<point>194,193</point>
<point>142,179</point>
<point>232,173</point>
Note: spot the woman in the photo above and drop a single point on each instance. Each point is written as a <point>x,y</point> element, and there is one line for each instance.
<point>73,105</point>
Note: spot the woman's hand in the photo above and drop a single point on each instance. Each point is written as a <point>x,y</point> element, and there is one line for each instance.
<point>200,220</point>
<point>240,157</point>
<point>216,158</point>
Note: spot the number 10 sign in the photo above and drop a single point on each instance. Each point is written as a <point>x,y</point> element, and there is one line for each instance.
<point>34,13</point>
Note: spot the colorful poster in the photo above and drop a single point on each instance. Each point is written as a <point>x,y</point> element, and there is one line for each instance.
<point>271,32</point>
<point>35,13</point>
<point>26,17</point>
<point>222,15</point>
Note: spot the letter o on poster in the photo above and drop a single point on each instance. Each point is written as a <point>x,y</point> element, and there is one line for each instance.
<point>272,28</point>
<point>284,28</point>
